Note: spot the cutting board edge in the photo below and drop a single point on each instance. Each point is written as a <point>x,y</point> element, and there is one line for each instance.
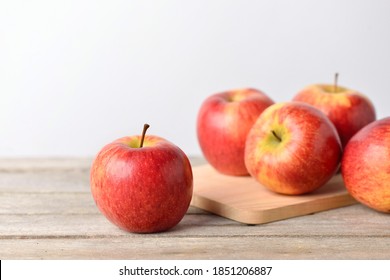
<point>263,216</point>
<point>207,199</point>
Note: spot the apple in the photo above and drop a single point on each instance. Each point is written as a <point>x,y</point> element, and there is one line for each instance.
<point>293,148</point>
<point>348,109</point>
<point>223,122</point>
<point>365,166</point>
<point>142,183</point>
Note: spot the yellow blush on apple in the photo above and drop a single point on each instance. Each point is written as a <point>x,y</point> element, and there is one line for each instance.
<point>292,148</point>
<point>348,109</point>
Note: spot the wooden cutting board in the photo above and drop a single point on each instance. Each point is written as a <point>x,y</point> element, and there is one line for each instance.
<point>244,200</point>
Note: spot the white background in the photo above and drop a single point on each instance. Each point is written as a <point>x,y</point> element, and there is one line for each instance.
<point>109,269</point>
<point>75,75</point>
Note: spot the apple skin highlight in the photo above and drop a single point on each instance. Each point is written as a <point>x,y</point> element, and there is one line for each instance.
<point>223,122</point>
<point>348,109</point>
<point>365,166</point>
<point>305,154</point>
<point>142,190</point>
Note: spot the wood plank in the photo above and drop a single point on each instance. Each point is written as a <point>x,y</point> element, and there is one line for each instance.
<point>49,175</point>
<point>41,203</point>
<point>243,199</point>
<point>64,163</point>
<point>47,203</point>
<point>344,222</point>
<point>47,211</point>
<point>44,181</point>
<point>39,164</point>
<point>235,247</point>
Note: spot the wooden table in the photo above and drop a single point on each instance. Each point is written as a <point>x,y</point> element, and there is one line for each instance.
<point>47,212</point>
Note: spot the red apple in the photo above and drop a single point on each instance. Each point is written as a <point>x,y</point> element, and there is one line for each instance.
<point>365,166</point>
<point>293,148</point>
<point>348,109</point>
<point>224,120</point>
<point>142,183</point>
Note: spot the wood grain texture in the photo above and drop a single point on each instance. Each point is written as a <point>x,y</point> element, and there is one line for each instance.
<point>243,199</point>
<point>47,212</point>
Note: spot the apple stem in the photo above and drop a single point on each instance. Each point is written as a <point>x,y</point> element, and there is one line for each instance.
<point>146,126</point>
<point>276,136</point>
<point>336,77</point>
